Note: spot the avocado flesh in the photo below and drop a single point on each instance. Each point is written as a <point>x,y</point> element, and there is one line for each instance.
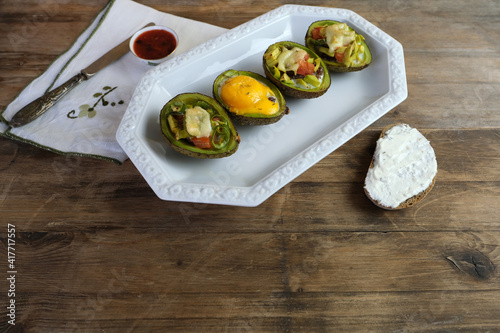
<point>303,88</point>
<point>250,118</point>
<point>329,59</point>
<point>179,139</point>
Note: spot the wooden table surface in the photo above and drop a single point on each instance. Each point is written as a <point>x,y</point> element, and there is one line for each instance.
<point>97,251</point>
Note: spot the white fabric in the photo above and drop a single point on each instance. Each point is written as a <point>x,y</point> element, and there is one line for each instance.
<point>65,128</point>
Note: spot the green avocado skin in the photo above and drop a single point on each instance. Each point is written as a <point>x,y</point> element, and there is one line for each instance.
<point>187,149</point>
<point>201,155</point>
<point>255,121</point>
<point>332,65</point>
<point>294,91</point>
<point>250,119</point>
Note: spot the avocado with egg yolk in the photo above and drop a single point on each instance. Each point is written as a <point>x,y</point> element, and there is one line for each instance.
<point>249,98</point>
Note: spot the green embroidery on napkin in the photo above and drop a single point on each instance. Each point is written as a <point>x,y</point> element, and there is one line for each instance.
<point>90,111</point>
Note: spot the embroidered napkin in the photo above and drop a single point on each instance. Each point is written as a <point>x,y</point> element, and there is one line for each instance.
<point>84,122</point>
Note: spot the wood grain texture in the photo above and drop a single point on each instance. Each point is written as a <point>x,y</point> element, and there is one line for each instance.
<point>97,251</point>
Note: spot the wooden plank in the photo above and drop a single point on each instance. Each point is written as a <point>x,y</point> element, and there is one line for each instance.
<point>260,262</point>
<point>452,106</point>
<point>396,261</point>
<point>316,312</point>
<point>314,207</point>
<point>396,280</point>
<point>188,263</point>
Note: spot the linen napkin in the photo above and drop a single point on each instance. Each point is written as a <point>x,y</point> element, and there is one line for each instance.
<point>85,121</point>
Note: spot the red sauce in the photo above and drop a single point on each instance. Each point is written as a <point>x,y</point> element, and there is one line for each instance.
<point>154,44</point>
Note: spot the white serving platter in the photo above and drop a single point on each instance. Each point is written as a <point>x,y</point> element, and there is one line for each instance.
<point>270,156</point>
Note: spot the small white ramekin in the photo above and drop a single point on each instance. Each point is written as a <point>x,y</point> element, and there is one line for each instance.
<point>153,62</point>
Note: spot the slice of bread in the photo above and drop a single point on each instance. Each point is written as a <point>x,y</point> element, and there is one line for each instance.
<point>403,168</point>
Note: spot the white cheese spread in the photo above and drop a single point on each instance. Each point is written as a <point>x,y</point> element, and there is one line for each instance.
<point>404,166</point>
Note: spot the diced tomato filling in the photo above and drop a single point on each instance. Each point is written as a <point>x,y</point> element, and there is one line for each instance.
<point>340,56</point>
<point>316,33</point>
<point>202,142</point>
<point>305,67</point>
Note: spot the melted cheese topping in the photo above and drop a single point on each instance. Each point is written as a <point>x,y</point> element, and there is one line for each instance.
<point>404,166</point>
<point>245,95</point>
<point>288,60</point>
<point>198,122</point>
<point>338,35</point>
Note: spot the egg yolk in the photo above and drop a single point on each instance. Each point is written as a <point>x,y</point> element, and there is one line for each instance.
<point>245,95</point>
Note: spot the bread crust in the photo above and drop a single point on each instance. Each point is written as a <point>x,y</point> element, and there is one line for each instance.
<point>410,201</point>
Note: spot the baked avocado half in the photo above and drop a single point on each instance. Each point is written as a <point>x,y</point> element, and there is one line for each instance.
<point>296,70</point>
<point>196,125</point>
<point>249,98</point>
<point>340,47</point>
